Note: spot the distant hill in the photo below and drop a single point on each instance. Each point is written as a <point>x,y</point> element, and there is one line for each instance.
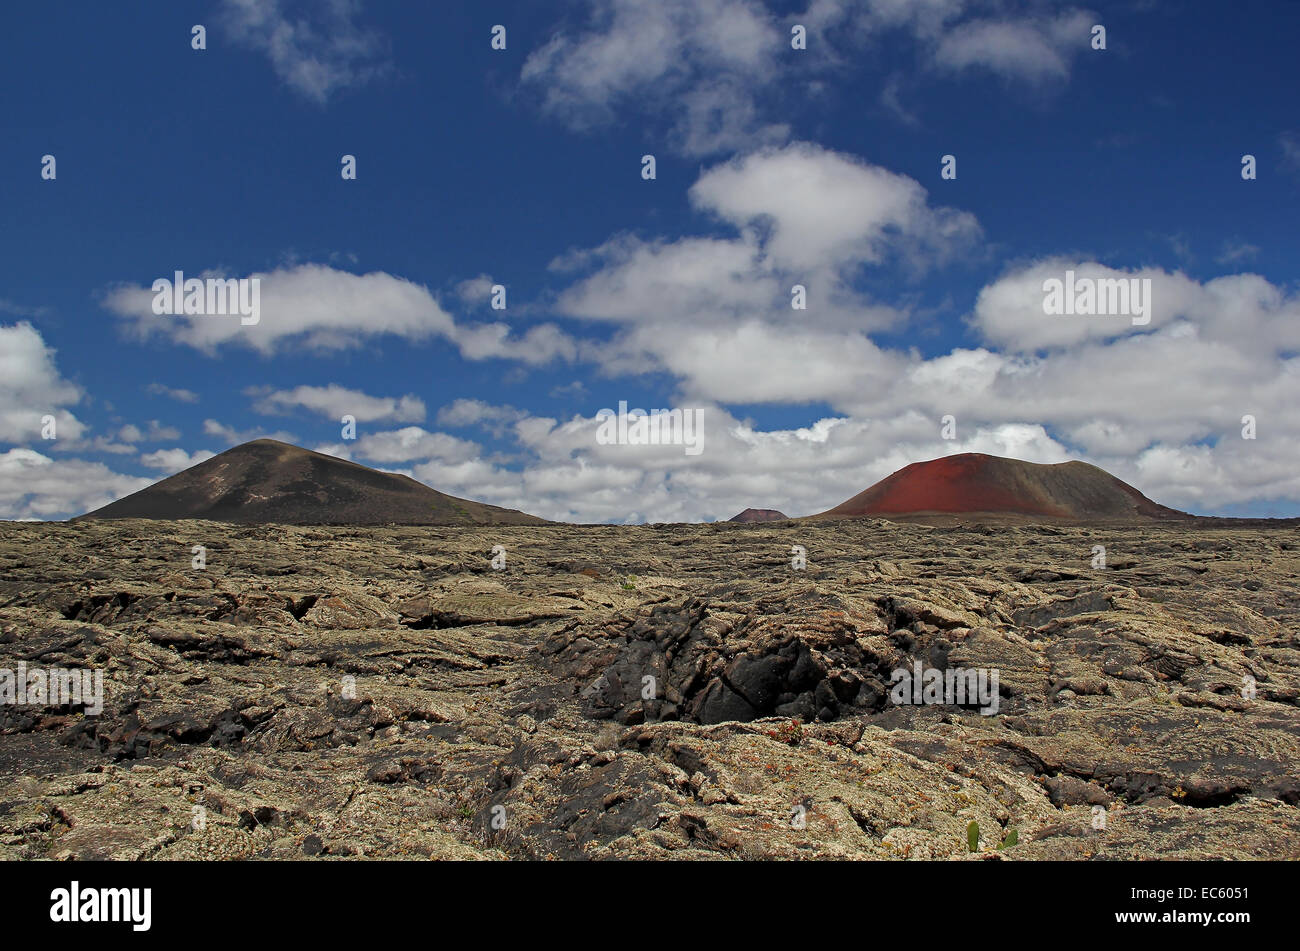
<point>759,515</point>
<point>270,481</point>
<point>972,483</point>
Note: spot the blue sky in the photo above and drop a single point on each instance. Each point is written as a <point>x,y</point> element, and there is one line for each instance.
<point>775,166</point>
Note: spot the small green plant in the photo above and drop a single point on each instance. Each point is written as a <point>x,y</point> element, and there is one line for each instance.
<point>629,583</point>
<point>973,838</point>
<point>466,812</point>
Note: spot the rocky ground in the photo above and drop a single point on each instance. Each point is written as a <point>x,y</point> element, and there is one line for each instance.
<point>348,692</point>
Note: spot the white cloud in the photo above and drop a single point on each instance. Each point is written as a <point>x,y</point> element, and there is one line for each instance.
<point>539,345</point>
<point>32,388</point>
<point>804,215</point>
<point>466,412</point>
<point>1032,48</point>
<point>234,437</point>
<point>335,401</point>
<point>633,43</point>
<point>716,312</point>
<point>320,308</point>
<point>475,292</point>
<point>758,363</point>
<point>827,208</point>
<point>314,48</point>
<point>1242,310</point>
<point>181,396</point>
<point>156,432</point>
<point>721,115</point>
<point>638,281</point>
<point>34,486</point>
<point>341,449</point>
<point>311,305</point>
<point>174,460</point>
<point>413,442</point>
<point>712,69</point>
<point>573,390</point>
<point>699,61</point>
<point>95,444</point>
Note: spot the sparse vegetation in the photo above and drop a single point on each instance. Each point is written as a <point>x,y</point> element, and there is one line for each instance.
<point>790,733</point>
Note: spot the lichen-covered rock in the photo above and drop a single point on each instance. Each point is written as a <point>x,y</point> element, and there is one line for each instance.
<point>649,692</point>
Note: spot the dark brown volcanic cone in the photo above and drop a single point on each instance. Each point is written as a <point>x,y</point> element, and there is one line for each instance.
<point>270,481</point>
<point>759,515</point>
<point>975,483</point>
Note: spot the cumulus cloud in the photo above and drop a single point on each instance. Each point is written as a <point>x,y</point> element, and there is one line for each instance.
<point>698,60</point>
<point>170,461</point>
<point>712,310</point>
<point>313,305</point>
<point>31,388</point>
<point>155,431</point>
<point>539,345</point>
<point>1243,310</point>
<point>35,486</point>
<point>712,69</point>
<point>804,214</point>
<point>335,401</point>
<point>1017,39</point>
<point>324,309</point>
<point>638,279</point>
<point>413,442</point>
<point>573,390</point>
<point>754,362</point>
<point>466,412</point>
<point>823,207</point>
<point>475,292</point>
<point>1033,48</point>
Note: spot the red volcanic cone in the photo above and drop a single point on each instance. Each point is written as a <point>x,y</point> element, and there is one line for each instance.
<point>975,483</point>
